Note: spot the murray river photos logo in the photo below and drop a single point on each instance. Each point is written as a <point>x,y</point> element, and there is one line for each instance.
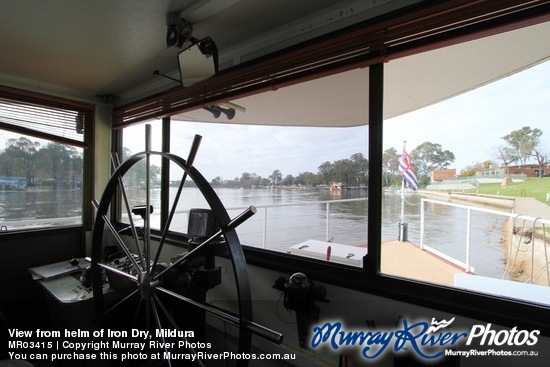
<point>427,340</point>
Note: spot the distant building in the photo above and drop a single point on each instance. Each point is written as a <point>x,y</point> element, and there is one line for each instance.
<point>529,170</point>
<point>13,183</point>
<point>442,174</point>
<point>497,172</point>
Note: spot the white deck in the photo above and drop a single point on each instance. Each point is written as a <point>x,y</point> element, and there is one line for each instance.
<point>342,254</point>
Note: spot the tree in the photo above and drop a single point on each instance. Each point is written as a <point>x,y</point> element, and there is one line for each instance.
<point>325,172</point>
<point>288,180</point>
<point>7,168</point>
<point>126,152</point>
<point>541,160</point>
<point>430,156</point>
<point>307,179</point>
<point>57,159</point>
<point>342,171</point>
<point>135,176</point>
<point>477,167</point>
<point>360,168</point>
<point>217,181</point>
<point>390,161</point>
<point>506,155</point>
<point>249,180</point>
<point>21,155</point>
<point>276,177</point>
<point>523,142</point>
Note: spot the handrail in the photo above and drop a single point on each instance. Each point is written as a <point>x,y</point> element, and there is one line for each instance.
<point>327,210</point>
<point>490,211</point>
<point>466,265</point>
<point>271,206</point>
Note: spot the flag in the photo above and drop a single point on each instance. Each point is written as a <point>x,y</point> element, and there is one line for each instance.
<point>406,170</point>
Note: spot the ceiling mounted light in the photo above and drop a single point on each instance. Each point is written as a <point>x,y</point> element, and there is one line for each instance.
<point>178,30</point>
<point>216,111</point>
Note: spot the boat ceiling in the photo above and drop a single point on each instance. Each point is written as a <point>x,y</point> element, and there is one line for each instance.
<point>411,83</point>
<point>90,50</point>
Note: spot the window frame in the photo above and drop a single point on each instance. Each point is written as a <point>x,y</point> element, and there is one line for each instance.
<point>87,113</point>
<point>422,27</point>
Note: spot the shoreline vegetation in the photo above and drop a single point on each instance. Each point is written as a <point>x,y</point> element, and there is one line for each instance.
<point>527,254</point>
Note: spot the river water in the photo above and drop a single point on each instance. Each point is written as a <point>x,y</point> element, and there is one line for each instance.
<point>287,217</point>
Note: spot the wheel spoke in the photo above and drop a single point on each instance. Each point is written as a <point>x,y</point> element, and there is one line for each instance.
<point>118,271</point>
<point>175,325</point>
<point>116,164</point>
<point>147,224</point>
<point>169,220</point>
<point>190,160</point>
<point>159,326</point>
<point>136,315</point>
<point>120,242</point>
<point>253,327</point>
<point>185,256</point>
<point>151,277</point>
<point>117,305</point>
<point>230,226</point>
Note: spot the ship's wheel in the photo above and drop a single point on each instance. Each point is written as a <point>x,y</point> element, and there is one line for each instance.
<point>156,291</point>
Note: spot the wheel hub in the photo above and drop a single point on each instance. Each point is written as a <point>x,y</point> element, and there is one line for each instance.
<point>146,284</point>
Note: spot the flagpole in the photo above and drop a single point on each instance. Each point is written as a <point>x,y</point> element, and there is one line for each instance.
<point>402,225</point>
<point>403,192</point>
<point>406,170</point>
<point>402,200</point>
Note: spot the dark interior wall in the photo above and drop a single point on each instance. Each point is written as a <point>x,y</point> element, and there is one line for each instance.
<point>21,297</point>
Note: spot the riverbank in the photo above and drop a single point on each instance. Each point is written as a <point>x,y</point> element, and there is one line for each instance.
<point>527,254</point>
<point>526,243</point>
<point>504,202</point>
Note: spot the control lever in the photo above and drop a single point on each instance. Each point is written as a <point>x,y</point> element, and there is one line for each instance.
<point>234,223</point>
<point>76,262</point>
<point>85,277</point>
<point>300,295</point>
<point>141,210</point>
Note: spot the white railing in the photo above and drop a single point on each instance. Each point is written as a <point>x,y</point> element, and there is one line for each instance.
<point>468,244</point>
<point>265,210</point>
<point>327,211</point>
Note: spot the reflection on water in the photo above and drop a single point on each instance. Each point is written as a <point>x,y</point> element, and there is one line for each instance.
<point>291,222</point>
<point>33,204</point>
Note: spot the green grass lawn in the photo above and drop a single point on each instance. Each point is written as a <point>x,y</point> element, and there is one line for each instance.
<point>532,187</point>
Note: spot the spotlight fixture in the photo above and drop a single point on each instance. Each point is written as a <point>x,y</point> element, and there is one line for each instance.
<point>178,30</point>
<point>216,111</point>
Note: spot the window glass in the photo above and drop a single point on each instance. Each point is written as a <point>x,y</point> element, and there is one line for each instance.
<point>308,183</point>
<point>40,182</point>
<point>469,125</point>
<point>133,142</point>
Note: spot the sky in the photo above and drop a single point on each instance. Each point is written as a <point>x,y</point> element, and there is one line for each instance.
<point>471,126</point>
<point>228,151</point>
